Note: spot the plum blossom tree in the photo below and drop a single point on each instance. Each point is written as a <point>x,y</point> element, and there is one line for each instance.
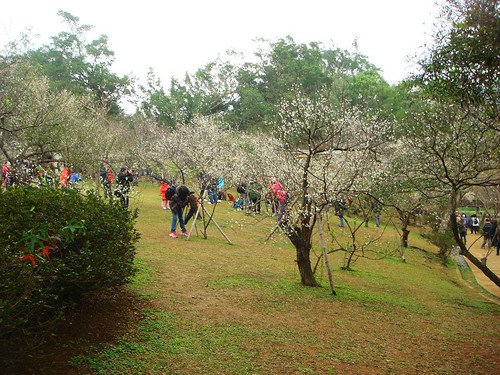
<point>328,151</point>
<point>489,198</point>
<point>204,147</point>
<point>33,120</point>
<point>40,125</point>
<point>96,139</point>
<point>457,152</point>
<point>400,189</point>
<point>454,127</point>
<point>149,145</point>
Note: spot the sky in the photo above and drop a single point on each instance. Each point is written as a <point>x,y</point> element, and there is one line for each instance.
<point>174,37</point>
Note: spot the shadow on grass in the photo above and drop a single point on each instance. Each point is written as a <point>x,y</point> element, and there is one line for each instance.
<point>97,319</point>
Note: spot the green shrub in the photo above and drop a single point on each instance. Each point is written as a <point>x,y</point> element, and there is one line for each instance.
<point>442,239</point>
<point>54,246</point>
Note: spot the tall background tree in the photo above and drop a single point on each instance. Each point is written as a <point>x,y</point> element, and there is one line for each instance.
<point>83,67</point>
<point>464,63</point>
<point>246,95</point>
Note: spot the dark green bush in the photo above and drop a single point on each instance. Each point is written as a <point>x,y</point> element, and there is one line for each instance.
<point>442,239</point>
<point>90,246</point>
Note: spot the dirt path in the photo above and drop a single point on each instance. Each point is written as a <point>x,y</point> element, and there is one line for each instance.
<point>493,264</point>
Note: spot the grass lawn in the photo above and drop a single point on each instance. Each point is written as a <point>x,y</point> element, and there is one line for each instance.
<point>215,308</point>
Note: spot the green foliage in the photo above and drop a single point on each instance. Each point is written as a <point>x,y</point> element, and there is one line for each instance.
<point>246,95</point>
<point>464,63</point>
<point>442,239</point>
<point>54,246</point>
<point>81,67</point>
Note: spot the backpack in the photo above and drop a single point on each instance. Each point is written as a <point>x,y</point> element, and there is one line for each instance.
<point>183,192</point>
<point>170,192</point>
<point>241,189</point>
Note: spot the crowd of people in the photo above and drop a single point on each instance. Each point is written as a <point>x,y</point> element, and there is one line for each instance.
<point>252,197</point>
<point>490,230</point>
<point>57,174</point>
<point>38,175</point>
<point>253,194</point>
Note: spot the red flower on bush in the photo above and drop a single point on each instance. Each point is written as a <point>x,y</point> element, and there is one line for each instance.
<point>27,256</point>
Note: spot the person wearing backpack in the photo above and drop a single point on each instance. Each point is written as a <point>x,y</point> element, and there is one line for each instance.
<point>462,228</point>
<point>255,195</point>
<point>106,183</point>
<point>340,207</point>
<point>177,203</point>
<point>169,193</point>
<point>474,227</point>
<point>487,233</point>
<point>123,186</point>
<point>242,202</point>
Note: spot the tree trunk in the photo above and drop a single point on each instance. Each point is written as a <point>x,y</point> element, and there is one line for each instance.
<point>404,217</point>
<point>301,237</point>
<point>304,264</point>
<point>405,232</point>
<point>404,237</point>
<point>463,249</point>
<point>302,245</point>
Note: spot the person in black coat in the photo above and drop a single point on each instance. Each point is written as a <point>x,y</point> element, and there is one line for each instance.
<point>488,232</point>
<point>177,204</point>
<point>123,181</point>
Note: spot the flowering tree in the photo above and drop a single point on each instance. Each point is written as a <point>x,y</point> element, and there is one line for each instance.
<point>454,129</point>
<point>204,147</point>
<point>489,198</point>
<point>96,139</point>
<point>41,125</point>
<point>149,144</point>
<point>457,152</point>
<point>328,151</point>
<point>33,121</point>
<point>397,187</point>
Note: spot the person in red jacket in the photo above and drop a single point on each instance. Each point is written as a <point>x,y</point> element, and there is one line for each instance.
<point>111,177</point>
<point>163,193</point>
<point>64,178</point>
<point>7,175</point>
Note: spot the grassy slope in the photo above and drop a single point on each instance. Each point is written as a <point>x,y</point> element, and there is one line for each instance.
<point>239,309</point>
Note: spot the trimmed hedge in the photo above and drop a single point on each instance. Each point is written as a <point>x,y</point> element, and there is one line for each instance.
<point>54,246</point>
